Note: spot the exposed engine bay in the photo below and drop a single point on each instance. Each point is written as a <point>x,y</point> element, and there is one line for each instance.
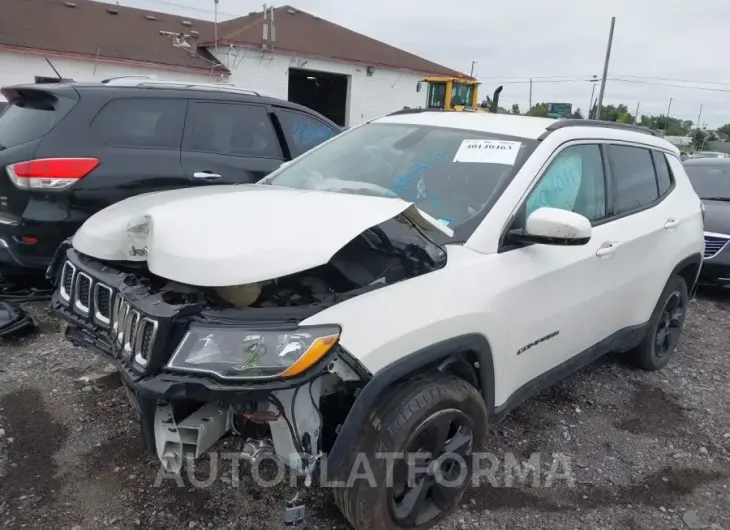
<point>187,406</point>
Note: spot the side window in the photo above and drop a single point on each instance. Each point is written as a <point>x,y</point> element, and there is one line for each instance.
<point>141,123</point>
<point>302,131</point>
<point>574,181</point>
<point>230,129</point>
<point>633,175</point>
<point>663,173</point>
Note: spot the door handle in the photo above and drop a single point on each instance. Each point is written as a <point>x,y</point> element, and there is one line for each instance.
<point>607,248</point>
<point>671,223</point>
<point>206,175</point>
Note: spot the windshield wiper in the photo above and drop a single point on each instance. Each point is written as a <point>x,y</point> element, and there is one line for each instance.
<point>726,199</point>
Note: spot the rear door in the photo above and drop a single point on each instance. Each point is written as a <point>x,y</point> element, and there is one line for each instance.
<point>229,143</point>
<point>30,115</point>
<point>137,140</point>
<point>303,131</point>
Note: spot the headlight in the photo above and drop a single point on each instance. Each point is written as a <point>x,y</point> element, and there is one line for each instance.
<point>242,353</point>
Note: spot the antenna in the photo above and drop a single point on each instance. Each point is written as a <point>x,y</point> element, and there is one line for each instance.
<point>54,69</point>
<point>216,28</point>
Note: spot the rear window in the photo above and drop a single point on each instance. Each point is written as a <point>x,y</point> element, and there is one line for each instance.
<point>23,121</point>
<point>710,181</point>
<point>142,123</point>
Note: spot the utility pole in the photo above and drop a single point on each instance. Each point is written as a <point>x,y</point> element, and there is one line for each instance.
<point>471,74</point>
<point>529,109</point>
<point>700,116</point>
<point>636,116</point>
<point>666,122</point>
<point>605,70</point>
<point>593,81</point>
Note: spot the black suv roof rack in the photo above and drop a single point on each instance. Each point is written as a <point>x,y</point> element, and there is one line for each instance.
<point>561,124</point>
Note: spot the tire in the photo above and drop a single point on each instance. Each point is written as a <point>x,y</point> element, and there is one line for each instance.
<point>413,414</point>
<point>665,329</point>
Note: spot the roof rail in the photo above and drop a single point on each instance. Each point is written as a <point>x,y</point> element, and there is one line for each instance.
<point>128,80</point>
<point>561,124</point>
<point>154,81</point>
<point>220,87</point>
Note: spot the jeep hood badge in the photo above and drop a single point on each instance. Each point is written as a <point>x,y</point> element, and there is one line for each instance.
<point>217,236</point>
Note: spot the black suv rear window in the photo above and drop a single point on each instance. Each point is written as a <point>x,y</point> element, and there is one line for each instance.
<point>142,123</point>
<point>24,121</point>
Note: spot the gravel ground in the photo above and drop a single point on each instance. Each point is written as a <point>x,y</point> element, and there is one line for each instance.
<point>645,450</point>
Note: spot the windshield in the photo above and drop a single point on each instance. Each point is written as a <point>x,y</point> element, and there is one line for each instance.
<point>462,94</point>
<point>436,95</point>
<point>450,174</point>
<point>710,181</point>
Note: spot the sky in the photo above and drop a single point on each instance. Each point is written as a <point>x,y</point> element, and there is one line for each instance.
<point>662,49</point>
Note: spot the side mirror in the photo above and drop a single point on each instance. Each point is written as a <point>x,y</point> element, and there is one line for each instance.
<point>418,86</point>
<point>553,226</point>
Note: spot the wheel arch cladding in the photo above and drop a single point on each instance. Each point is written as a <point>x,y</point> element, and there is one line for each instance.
<point>456,355</point>
<point>689,269</point>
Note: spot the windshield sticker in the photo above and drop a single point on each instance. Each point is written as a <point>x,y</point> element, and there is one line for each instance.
<point>488,152</point>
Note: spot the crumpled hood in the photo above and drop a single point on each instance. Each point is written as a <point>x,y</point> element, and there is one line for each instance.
<point>216,236</point>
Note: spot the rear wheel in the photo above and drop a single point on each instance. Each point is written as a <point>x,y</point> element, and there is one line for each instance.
<point>657,348</point>
<point>419,444</point>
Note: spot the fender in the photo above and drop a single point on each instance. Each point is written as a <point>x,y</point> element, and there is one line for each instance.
<point>430,357</point>
<point>684,269</point>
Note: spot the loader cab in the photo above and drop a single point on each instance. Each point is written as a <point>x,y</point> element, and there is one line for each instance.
<point>449,92</point>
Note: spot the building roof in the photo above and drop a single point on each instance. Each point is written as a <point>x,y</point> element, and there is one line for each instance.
<point>88,29</point>
<point>84,28</point>
<point>302,33</point>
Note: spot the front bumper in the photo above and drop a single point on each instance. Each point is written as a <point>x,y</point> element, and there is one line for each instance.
<point>715,269</point>
<point>153,383</point>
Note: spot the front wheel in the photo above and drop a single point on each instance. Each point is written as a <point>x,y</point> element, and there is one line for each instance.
<point>418,445</point>
<point>657,348</point>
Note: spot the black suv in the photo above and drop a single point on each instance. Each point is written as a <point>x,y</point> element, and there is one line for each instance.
<point>68,150</point>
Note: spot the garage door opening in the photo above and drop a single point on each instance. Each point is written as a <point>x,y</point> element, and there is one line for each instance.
<point>323,92</point>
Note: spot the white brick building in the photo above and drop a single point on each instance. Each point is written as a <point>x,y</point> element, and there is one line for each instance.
<point>342,74</point>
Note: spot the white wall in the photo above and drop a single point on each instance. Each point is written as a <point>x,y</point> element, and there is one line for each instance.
<point>16,68</point>
<point>369,96</point>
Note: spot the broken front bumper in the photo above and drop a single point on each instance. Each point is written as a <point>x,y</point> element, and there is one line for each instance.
<point>105,310</point>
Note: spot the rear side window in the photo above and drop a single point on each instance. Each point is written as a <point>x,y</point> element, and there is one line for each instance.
<point>634,179</point>
<point>24,121</point>
<point>231,129</point>
<point>141,123</point>
<point>663,173</point>
<point>303,132</point>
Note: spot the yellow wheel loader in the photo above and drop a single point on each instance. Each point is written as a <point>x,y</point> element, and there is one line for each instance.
<point>457,93</point>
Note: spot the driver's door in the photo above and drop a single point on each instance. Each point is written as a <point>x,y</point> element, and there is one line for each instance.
<point>564,301</point>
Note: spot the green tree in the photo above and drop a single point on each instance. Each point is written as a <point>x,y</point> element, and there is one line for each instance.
<point>699,137</point>
<point>539,110</point>
<point>515,109</point>
<point>725,129</point>
<point>576,114</point>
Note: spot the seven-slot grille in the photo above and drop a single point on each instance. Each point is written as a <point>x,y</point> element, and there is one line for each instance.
<point>132,332</point>
<point>714,244</point>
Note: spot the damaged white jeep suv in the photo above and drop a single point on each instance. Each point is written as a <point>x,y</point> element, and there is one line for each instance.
<point>394,291</point>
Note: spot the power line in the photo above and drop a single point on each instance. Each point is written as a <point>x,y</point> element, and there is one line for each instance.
<point>558,78</point>
<point>668,85</point>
